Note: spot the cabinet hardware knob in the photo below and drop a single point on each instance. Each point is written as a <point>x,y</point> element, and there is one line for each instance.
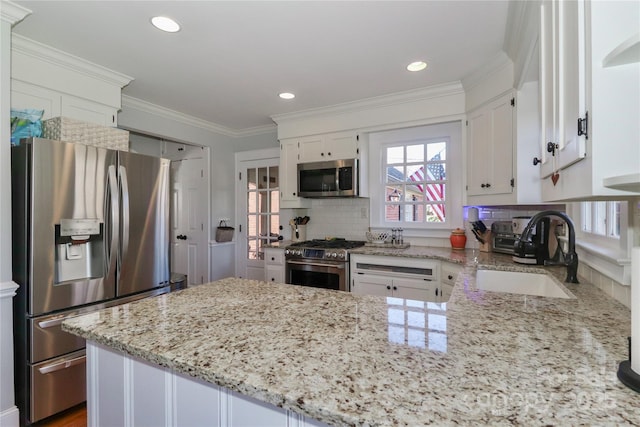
<point>436,291</point>
<point>273,279</point>
<point>488,185</point>
<point>551,148</point>
<point>322,154</point>
<point>450,277</point>
<point>395,288</point>
<point>273,258</point>
<point>483,185</point>
<point>388,287</point>
<point>329,153</point>
<point>536,161</point>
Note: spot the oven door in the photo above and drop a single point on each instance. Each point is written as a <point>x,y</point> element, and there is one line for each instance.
<point>318,274</point>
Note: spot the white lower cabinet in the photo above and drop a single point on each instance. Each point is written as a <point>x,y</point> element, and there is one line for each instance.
<point>126,391</point>
<point>274,265</point>
<point>408,278</point>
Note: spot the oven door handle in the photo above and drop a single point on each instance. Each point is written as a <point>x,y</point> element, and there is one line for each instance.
<point>315,264</point>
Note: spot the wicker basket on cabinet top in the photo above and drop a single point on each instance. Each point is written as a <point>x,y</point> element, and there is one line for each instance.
<point>72,130</point>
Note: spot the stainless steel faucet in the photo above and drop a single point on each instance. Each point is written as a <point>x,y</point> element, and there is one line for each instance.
<point>570,257</point>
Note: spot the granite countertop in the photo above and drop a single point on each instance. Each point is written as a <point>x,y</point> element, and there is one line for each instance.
<point>482,358</point>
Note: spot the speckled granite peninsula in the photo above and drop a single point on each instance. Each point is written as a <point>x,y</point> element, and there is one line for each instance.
<point>482,358</point>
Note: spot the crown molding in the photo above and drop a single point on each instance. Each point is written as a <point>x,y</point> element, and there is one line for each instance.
<point>500,60</point>
<point>394,99</point>
<point>13,13</point>
<point>25,46</point>
<point>147,107</point>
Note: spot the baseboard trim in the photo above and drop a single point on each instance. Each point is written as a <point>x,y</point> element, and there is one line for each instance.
<point>10,417</point>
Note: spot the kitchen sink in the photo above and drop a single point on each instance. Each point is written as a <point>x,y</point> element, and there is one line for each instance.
<point>515,282</point>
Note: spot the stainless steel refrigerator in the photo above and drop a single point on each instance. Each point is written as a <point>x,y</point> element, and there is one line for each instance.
<point>90,229</point>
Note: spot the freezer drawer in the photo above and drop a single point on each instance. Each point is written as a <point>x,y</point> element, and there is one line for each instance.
<point>57,384</point>
<point>49,340</point>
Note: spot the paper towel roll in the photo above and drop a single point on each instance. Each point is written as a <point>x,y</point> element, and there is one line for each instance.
<point>635,310</point>
<point>472,214</point>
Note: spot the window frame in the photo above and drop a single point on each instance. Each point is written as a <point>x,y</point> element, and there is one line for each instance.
<point>608,213</point>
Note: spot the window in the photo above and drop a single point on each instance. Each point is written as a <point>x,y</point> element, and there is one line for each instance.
<point>416,181</point>
<point>601,218</point>
<point>262,209</point>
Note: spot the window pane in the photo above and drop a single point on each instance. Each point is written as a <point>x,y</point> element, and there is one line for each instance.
<point>435,213</point>
<point>251,179</point>
<point>434,192</point>
<point>273,177</point>
<point>395,155</point>
<point>415,153</point>
<point>275,226</point>
<point>262,178</point>
<point>392,213</point>
<point>437,151</point>
<point>415,173</point>
<point>414,193</point>
<point>614,219</point>
<point>252,247</point>
<point>586,216</point>
<point>274,199</point>
<point>601,218</point>
<point>414,213</point>
<point>252,225</point>
<point>394,193</point>
<point>395,174</point>
<point>436,172</point>
<point>252,204</point>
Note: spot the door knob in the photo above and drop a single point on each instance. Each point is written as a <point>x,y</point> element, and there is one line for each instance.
<point>181,237</point>
<point>536,161</point>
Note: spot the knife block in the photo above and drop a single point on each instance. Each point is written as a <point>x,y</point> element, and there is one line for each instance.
<point>486,246</point>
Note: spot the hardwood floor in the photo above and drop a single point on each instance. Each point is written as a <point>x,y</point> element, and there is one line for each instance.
<point>73,417</point>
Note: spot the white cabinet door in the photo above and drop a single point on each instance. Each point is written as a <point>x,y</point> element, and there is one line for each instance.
<point>24,95</point>
<point>414,289</point>
<point>289,159</point>
<point>88,111</point>
<point>562,83</point>
<point>332,146</point>
<point>312,149</point>
<point>342,145</point>
<point>491,145</point>
<point>366,284</point>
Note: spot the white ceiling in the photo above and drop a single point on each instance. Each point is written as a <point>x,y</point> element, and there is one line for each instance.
<point>231,59</point>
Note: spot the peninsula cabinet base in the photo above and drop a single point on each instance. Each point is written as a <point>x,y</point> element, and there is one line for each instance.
<point>126,391</point>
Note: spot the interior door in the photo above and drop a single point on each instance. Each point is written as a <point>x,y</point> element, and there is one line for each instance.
<point>189,237</point>
<point>259,209</point>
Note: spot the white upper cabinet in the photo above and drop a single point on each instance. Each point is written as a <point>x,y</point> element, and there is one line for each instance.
<point>332,146</point>
<point>581,76</point>
<point>490,139</point>
<point>289,158</point>
<point>41,79</point>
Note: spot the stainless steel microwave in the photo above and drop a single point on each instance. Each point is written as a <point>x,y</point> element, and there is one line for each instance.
<point>335,178</point>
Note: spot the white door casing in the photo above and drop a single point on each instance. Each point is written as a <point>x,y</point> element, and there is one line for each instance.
<point>189,227</point>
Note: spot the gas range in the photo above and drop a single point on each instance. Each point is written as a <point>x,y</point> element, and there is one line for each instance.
<point>333,249</point>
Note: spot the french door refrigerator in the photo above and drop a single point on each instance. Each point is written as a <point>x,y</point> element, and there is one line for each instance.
<point>90,229</point>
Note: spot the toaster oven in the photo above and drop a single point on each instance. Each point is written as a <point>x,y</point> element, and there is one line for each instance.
<point>503,238</point>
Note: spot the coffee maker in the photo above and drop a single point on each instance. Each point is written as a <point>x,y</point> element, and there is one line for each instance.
<point>543,243</point>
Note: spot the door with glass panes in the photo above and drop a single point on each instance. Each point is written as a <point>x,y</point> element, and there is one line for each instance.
<point>259,179</point>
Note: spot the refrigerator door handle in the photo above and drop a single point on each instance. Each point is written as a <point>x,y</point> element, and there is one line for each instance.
<point>124,187</point>
<point>114,239</point>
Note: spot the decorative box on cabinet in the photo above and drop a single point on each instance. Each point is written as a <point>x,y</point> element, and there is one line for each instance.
<point>589,103</point>
<point>274,265</point>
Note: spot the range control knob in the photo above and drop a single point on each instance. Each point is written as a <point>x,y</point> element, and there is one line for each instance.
<point>335,255</point>
<point>286,252</point>
<point>341,255</point>
<point>299,252</point>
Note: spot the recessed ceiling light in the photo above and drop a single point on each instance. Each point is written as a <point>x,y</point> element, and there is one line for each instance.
<point>165,24</point>
<point>286,95</point>
<point>417,66</point>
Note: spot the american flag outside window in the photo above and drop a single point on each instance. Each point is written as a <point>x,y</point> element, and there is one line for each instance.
<point>434,190</point>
